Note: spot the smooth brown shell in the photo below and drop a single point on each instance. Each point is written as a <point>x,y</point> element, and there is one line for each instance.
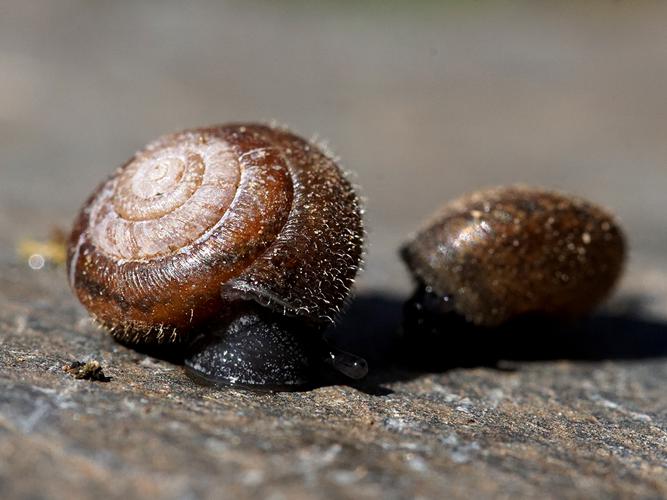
<point>204,217</point>
<point>510,251</point>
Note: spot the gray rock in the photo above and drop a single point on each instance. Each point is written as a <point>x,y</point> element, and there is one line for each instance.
<point>424,101</point>
<point>565,428</point>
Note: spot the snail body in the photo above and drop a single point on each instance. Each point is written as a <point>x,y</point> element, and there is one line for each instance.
<point>506,252</point>
<point>208,222</point>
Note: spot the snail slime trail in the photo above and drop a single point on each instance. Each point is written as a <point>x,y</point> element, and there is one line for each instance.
<point>508,252</point>
<point>235,245</point>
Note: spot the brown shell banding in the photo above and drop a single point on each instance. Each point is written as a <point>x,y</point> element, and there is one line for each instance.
<point>140,215</point>
<point>289,239</point>
<point>309,269</point>
<point>504,252</point>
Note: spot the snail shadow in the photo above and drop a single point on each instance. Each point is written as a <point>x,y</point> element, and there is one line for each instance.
<point>369,328</point>
<point>398,348</point>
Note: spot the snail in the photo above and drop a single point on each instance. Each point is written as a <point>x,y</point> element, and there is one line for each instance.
<point>508,252</point>
<point>235,244</point>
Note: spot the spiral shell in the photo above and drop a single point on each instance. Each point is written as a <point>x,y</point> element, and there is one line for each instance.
<point>205,217</point>
<point>508,251</point>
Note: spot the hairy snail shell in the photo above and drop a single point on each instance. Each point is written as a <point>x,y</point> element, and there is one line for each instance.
<point>505,252</point>
<point>203,218</point>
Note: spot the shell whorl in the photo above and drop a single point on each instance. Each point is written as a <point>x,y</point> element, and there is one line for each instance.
<point>165,198</point>
<point>204,217</point>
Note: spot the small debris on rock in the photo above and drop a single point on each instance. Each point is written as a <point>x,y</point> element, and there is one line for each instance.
<point>91,370</point>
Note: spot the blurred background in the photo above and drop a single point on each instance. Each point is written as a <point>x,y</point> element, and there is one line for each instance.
<point>422,100</point>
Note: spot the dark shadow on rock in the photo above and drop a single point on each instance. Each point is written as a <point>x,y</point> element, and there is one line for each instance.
<point>166,352</point>
<point>439,342</point>
<point>370,328</point>
<point>457,344</point>
<point>400,345</point>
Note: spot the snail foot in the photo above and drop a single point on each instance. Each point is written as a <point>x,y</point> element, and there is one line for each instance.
<point>260,350</point>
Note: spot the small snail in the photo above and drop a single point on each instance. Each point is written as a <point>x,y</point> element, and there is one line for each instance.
<point>506,252</point>
<point>236,243</point>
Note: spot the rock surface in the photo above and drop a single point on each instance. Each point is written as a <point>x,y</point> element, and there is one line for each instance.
<point>424,101</point>
<point>521,428</point>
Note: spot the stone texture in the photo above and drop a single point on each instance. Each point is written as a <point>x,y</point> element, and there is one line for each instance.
<point>424,103</point>
<point>520,428</point>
